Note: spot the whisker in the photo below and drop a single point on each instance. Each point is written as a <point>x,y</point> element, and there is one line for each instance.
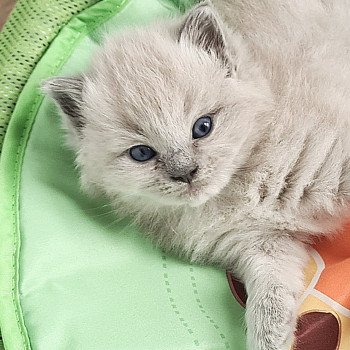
<point>98,207</point>
<point>104,214</point>
<point>114,222</point>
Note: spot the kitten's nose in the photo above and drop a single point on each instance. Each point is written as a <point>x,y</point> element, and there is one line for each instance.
<point>186,177</point>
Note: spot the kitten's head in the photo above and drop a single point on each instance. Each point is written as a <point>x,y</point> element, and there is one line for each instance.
<point>165,112</point>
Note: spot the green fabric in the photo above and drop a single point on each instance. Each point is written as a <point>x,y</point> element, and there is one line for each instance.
<point>72,277</point>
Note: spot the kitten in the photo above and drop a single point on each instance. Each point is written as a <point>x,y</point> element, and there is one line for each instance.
<point>225,137</point>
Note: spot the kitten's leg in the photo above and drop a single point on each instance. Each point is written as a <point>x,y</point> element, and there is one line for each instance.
<point>273,274</point>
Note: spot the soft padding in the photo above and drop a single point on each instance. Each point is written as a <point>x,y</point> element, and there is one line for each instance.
<point>72,276</point>
<point>75,276</point>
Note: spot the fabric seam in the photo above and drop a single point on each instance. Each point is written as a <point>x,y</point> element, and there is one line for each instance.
<point>15,207</point>
<point>205,313</point>
<point>25,135</point>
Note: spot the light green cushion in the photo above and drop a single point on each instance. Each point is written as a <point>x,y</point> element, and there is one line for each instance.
<point>71,275</point>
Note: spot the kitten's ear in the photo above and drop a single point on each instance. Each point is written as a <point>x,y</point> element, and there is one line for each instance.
<point>203,28</point>
<point>67,93</point>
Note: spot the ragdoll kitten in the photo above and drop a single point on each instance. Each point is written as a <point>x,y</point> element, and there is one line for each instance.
<point>226,138</point>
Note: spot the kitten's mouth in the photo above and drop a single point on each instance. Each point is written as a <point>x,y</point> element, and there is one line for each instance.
<point>196,194</point>
<point>201,191</point>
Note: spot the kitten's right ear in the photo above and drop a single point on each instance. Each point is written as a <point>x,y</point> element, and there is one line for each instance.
<point>67,93</point>
<point>203,28</point>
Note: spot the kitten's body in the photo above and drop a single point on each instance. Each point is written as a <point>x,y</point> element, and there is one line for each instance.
<point>284,150</point>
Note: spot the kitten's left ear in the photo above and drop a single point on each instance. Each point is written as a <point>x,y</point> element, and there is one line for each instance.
<point>67,93</point>
<point>203,28</point>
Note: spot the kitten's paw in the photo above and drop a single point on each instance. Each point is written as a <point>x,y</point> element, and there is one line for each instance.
<point>271,320</point>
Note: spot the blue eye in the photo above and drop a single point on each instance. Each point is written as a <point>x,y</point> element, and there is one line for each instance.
<point>141,153</point>
<point>202,127</point>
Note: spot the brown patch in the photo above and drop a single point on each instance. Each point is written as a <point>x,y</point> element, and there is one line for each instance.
<point>5,8</point>
<point>317,330</point>
<point>237,289</point>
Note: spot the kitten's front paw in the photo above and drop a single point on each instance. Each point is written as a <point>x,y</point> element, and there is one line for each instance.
<point>271,320</point>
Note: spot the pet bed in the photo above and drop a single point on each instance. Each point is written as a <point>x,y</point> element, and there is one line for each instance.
<point>74,277</point>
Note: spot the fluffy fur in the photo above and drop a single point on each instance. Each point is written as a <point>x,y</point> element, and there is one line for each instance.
<point>273,173</point>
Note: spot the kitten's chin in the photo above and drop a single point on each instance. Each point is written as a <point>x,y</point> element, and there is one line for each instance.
<point>195,197</point>
<point>198,201</point>
<point>199,197</point>
<point>190,195</point>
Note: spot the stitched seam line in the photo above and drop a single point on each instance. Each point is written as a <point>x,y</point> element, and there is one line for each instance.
<point>15,207</point>
<point>204,312</point>
<point>25,135</point>
<point>172,302</point>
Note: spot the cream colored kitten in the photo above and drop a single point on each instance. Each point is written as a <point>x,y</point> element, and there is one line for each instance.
<point>226,141</point>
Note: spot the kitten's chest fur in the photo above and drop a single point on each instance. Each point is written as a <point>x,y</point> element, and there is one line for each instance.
<point>297,176</point>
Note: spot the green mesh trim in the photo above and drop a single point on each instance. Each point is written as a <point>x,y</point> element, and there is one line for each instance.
<point>30,29</point>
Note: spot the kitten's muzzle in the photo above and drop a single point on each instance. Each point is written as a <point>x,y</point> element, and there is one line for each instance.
<point>180,165</point>
<point>187,176</point>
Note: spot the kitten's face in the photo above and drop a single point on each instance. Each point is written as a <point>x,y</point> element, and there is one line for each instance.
<point>162,119</point>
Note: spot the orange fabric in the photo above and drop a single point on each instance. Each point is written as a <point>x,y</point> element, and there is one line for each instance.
<point>335,278</point>
<point>325,310</point>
